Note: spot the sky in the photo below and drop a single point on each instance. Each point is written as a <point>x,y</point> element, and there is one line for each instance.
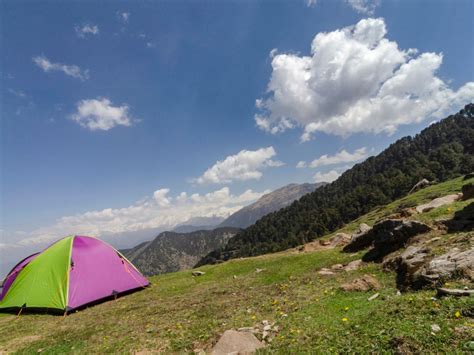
<point>119,119</point>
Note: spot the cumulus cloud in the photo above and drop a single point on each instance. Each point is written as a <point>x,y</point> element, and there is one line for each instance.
<point>83,31</point>
<point>70,70</point>
<point>245,165</point>
<point>101,114</point>
<point>365,7</point>
<point>341,157</point>
<point>330,176</point>
<point>356,80</point>
<point>159,210</point>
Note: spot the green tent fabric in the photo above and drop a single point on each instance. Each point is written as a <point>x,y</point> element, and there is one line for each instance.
<point>43,283</point>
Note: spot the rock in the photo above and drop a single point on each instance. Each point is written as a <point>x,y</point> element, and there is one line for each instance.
<point>435,328</point>
<point>392,234</point>
<point>198,273</point>
<point>468,176</point>
<point>258,271</point>
<point>353,265</point>
<point>454,292</point>
<point>365,283</point>
<point>387,236</point>
<point>468,191</point>
<point>462,220</point>
<point>452,264</point>
<point>407,264</point>
<point>361,239</point>
<point>325,243</point>
<point>235,342</point>
<point>437,202</point>
<point>373,297</point>
<point>340,239</point>
<point>325,272</point>
<point>419,185</point>
<point>337,267</point>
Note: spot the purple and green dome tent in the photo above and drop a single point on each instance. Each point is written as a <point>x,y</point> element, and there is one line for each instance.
<point>71,273</point>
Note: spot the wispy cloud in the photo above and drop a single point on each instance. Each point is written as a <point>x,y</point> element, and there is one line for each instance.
<point>84,30</point>
<point>365,7</point>
<point>17,93</point>
<point>123,16</point>
<point>70,70</point>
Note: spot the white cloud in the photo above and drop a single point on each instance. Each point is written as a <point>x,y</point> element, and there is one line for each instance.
<point>124,16</point>
<point>101,114</point>
<point>330,176</point>
<point>341,157</point>
<point>160,210</point>
<point>311,3</point>
<point>160,197</point>
<point>245,165</point>
<point>356,80</point>
<point>301,164</point>
<point>365,7</point>
<point>83,31</point>
<point>150,45</point>
<point>70,70</point>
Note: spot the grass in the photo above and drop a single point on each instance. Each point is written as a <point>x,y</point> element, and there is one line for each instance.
<point>182,313</point>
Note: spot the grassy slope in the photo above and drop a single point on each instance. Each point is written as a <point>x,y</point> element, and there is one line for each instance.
<point>182,313</point>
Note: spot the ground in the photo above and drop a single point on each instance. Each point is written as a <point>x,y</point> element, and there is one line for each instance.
<point>182,313</point>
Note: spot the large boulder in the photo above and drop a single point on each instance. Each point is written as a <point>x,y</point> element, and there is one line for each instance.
<point>235,342</point>
<point>438,202</point>
<point>468,191</point>
<point>339,239</point>
<point>361,239</point>
<point>386,236</point>
<point>420,185</point>
<point>407,264</point>
<point>453,264</point>
<point>462,220</point>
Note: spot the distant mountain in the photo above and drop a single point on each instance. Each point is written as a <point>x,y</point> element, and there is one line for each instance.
<point>171,251</point>
<point>442,151</point>
<point>198,223</point>
<point>268,203</point>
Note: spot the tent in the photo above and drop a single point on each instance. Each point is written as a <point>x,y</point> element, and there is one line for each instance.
<point>71,273</point>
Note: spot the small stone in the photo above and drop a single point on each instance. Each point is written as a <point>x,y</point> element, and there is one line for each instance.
<point>398,293</point>
<point>337,267</point>
<point>268,327</point>
<point>373,297</point>
<point>198,273</point>
<point>325,272</point>
<point>257,270</point>
<point>435,328</point>
<point>236,342</point>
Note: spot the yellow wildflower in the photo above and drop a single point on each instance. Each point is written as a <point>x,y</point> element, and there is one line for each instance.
<point>346,308</point>
<point>344,319</point>
<point>457,314</point>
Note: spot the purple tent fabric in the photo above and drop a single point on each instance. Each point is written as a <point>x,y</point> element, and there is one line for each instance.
<point>14,272</point>
<point>99,271</point>
<point>83,270</point>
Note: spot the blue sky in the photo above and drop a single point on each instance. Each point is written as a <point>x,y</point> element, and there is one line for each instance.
<point>108,107</point>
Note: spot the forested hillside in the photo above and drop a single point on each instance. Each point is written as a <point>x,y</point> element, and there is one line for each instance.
<point>442,151</point>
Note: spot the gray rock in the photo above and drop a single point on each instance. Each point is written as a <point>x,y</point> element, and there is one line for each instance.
<point>353,265</point>
<point>407,264</point>
<point>419,185</point>
<point>340,239</point>
<point>386,236</point>
<point>235,342</point>
<point>468,191</point>
<point>453,264</point>
<point>373,297</point>
<point>337,267</point>
<point>198,273</point>
<point>437,202</point>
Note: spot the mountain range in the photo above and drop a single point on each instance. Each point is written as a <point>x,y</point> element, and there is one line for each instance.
<point>268,203</point>
<point>442,151</point>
